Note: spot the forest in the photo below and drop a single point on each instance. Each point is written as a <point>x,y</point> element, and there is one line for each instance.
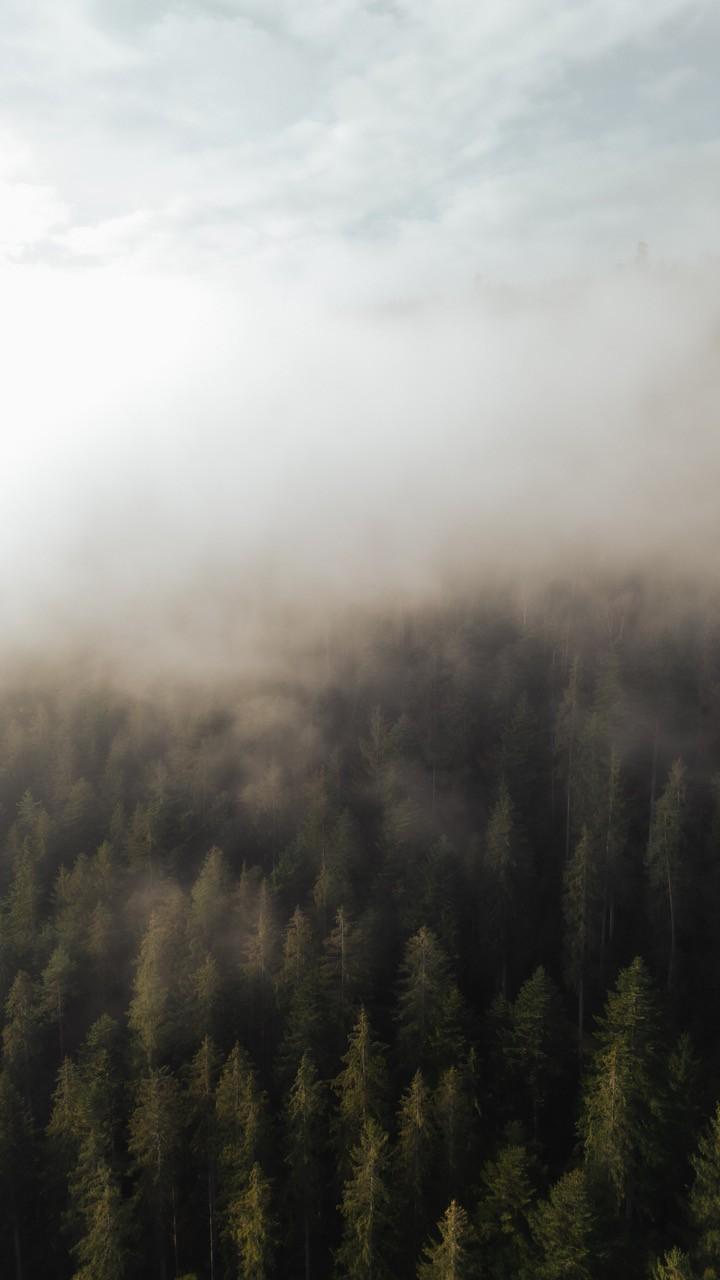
<point>398,960</point>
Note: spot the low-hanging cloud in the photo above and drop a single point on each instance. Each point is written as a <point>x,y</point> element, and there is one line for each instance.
<point>188,460</point>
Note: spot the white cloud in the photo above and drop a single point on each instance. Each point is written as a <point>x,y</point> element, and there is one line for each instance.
<point>303,134</point>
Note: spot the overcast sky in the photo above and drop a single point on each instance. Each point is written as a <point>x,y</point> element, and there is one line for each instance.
<point>372,149</point>
<point>336,284</point>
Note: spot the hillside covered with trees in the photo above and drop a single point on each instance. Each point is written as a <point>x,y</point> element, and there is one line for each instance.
<point>403,962</point>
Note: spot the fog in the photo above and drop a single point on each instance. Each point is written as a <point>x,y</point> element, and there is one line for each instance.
<point>186,459</point>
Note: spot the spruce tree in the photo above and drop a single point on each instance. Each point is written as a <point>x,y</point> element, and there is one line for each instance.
<point>705,1195</point>
<point>103,1251</point>
<point>304,1122</point>
<point>505,1213</point>
<point>450,1257</point>
<point>501,864</point>
<point>361,1085</point>
<point>665,851</point>
<point>565,1231</point>
<point>579,901</point>
<point>534,1047</point>
<point>415,1151</point>
<point>365,1209</point>
<point>454,1125</point>
<point>154,1144</point>
<point>204,1137</point>
<point>429,1006</point>
<point>251,1227</point>
<point>623,1103</point>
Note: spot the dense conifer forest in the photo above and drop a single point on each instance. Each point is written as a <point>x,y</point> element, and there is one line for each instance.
<point>400,962</point>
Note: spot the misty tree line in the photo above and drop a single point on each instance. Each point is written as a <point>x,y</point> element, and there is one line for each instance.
<point>404,963</point>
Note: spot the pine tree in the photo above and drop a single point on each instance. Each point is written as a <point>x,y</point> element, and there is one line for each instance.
<point>505,1213</point>
<point>450,1257</point>
<point>454,1125</point>
<point>579,900</point>
<point>300,995</point>
<point>365,1209</point>
<point>622,1110</point>
<point>102,1252</point>
<point>57,985</point>
<point>565,1231</point>
<point>534,1047</point>
<point>15,1165</point>
<point>664,852</point>
<point>201,1095</point>
<point>204,995</point>
<point>154,1144</point>
<point>21,1030</point>
<point>705,1195</point>
<point>429,1005</point>
<point>501,863</point>
<point>675,1265</point>
<point>250,1226</point>
<point>414,1154</point>
<point>344,967</point>
<point>304,1113</point>
<point>259,966</point>
<point>240,1116</point>
<point>361,1086</point>
<point>566,735</point>
<point>208,903</point>
<point>153,1015</point>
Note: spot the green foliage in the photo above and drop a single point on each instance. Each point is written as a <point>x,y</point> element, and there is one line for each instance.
<point>675,1266</point>
<point>505,1213</point>
<point>251,1228</point>
<point>705,1195</point>
<point>429,1005</point>
<point>103,1251</point>
<point>623,1100</point>
<point>361,1085</point>
<point>534,1043</point>
<point>565,1231</point>
<point>365,1209</point>
<point>450,1257</point>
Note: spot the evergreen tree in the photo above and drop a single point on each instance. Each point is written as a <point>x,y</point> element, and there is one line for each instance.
<point>675,1265</point>
<point>154,1144</point>
<point>365,1209</point>
<point>501,862</point>
<point>429,1005</point>
<point>450,1257</point>
<point>21,1030</point>
<point>622,1109</point>
<point>705,1196</point>
<point>534,1047</point>
<point>664,852</point>
<point>454,1124</point>
<point>15,1168</point>
<point>565,1231</point>
<point>240,1117</point>
<point>208,903</point>
<point>103,1251</point>
<point>204,1139</point>
<point>414,1154</point>
<point>505,1213</point>
<point>153,1015</point>
<point>580,890</point>
<point>250,1226</point>
<point>361,1086</point>
<point>57,985</point>
<point>304,1125</point>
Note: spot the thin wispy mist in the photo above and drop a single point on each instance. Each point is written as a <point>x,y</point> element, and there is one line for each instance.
<point>188,462</point>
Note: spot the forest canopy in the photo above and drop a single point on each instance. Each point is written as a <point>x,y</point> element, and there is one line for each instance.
<point>402,961</point>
